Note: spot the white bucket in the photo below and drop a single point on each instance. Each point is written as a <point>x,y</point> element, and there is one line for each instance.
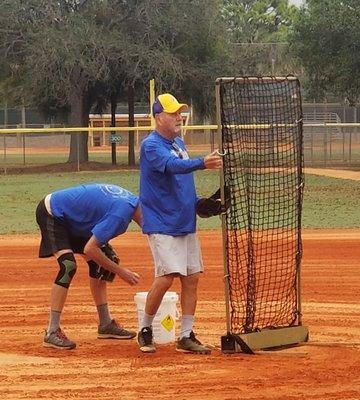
<point>164,321</point>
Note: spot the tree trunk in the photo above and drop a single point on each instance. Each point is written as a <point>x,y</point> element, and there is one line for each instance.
<point>79,116</point>
<point>131,108</point>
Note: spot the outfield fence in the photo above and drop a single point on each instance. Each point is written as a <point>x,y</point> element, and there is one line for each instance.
<point>325,144</point>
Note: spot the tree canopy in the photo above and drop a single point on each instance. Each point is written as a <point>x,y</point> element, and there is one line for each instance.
<point>258,21</point>
<point>72,55</point>
<point>326,38</point>
<point>258,30</point>
<point>66,46</point>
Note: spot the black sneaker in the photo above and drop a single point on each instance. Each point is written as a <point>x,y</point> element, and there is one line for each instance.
<point>146,340</point>
<point>58,340</point>
<point>114,331</point>
<point>191,345</point>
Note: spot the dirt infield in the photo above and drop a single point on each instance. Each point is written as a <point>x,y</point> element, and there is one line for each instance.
<point>328,367</point>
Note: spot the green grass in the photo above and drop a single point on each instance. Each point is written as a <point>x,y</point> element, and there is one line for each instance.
<point>17,160</point>
<point>316,159</point>
<point>328,202</point>
<point>331,203</point>
<point>20,194</point>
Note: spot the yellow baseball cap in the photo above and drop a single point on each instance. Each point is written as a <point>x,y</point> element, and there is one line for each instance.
<point>167,103</point>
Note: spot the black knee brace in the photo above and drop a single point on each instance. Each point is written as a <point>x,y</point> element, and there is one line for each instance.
<point>67,271</point>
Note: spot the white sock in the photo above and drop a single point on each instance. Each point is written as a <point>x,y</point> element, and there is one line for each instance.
<point>147,320</point>
<point>187,322</point>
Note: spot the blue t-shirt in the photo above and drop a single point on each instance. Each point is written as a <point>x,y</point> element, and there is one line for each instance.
<point>167,190</point>
<point>102,210</point>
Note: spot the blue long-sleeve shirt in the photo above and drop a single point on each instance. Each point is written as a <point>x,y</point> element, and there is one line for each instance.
<point>167,190</point>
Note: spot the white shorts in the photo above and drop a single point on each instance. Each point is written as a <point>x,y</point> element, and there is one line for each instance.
<point>176,254</point>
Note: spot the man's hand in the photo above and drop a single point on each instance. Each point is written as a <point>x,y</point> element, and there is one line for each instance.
<point>132,278</point>
<point>93,252</point>
<point>213,160</point>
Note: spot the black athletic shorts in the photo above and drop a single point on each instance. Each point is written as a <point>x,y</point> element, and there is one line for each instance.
<point>55,236</point>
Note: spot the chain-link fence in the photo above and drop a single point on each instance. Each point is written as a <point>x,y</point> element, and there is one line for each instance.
<point>331,138</point>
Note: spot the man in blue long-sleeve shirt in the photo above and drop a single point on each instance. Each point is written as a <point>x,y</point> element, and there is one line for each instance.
<point>168,201</point>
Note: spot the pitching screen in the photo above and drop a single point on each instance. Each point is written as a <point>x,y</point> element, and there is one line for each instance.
<point>261,129</point>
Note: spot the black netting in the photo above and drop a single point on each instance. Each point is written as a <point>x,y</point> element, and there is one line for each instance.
<point>261,122</point>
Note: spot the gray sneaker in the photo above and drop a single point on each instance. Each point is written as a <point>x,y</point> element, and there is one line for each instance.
<point>146,340</point>
<point>191,345</point>
<point>114,331</point>
<point>58,340</point>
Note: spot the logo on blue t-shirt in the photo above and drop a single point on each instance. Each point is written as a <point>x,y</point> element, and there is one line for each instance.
<point>179,152</point>
<point>115,191</point>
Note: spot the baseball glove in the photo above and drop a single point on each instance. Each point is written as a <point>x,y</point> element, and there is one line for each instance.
<point>211,206</point>
<point>102,273</point>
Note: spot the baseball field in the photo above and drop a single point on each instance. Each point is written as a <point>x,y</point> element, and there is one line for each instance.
<point>327,367</point>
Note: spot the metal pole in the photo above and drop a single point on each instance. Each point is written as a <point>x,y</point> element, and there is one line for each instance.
<point>78,151</point>
<point>328,132</point>
<point>212,140</point>
<point>325,147</point>
<point>23,147</point>
<point>23,124</point>
<point>343,136</point>
<point>112,137</point>
<point>5,169</point>
<point>300,188</point>
<point>256,79</point>
<point>351,132</point>
<point>313,133</point>
<point>312,146</point>
<point>137,139</point>
<point>325,138</point>
<point>152,99</point>
<point>223,217</point>
<point>5,126</point>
